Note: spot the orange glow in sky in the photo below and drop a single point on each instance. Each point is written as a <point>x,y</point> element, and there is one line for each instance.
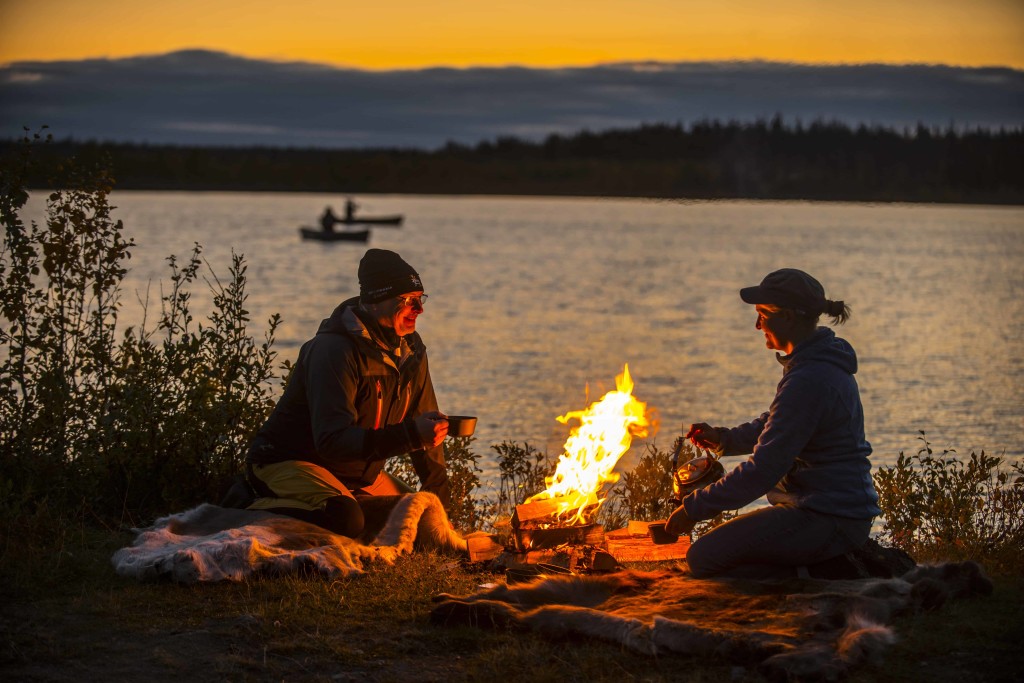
<point>414,33</point>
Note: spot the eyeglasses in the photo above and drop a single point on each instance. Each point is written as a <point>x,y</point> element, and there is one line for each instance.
<point>415,301</point>
<point>766,315</point>
<point>762,316</point>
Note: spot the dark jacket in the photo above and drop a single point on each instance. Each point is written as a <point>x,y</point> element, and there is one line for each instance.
<point>350,404</point>
<point>809,449</point>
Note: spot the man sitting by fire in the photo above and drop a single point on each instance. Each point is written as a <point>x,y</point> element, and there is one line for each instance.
<point>809,453</point>
<point>360,393</point>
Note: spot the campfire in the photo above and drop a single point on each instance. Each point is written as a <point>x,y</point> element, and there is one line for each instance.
<point>565,512</point>
<point>556,530</point>
<point>604,434</point>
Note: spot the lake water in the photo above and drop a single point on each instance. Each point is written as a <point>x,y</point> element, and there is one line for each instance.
<point>533,301</point>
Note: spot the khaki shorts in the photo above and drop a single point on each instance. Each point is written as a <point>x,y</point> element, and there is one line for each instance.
<point>303,485</point>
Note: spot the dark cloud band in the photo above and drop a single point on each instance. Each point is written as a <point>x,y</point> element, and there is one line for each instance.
<point>210,98</point>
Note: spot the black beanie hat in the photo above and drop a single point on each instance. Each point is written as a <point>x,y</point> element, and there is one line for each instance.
<point>383,274</point>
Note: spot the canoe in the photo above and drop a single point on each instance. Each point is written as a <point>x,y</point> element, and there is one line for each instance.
<point>373,220</point>
<point>336,236</point>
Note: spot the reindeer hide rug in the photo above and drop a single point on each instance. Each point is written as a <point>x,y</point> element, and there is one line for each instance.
<point>211,543</point>
<point>792,629</point>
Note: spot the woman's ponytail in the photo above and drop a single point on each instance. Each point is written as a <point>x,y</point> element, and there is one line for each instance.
<point>838,311</point>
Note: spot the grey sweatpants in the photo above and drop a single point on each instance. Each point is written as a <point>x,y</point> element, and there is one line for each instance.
<point>772,542</point>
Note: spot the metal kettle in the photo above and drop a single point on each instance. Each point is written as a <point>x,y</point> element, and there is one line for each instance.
<point>693,474</point>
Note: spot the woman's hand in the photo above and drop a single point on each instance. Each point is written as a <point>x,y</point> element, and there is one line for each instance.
<point>432,428</point>
<point>703,435</point>
<point>679,522</point>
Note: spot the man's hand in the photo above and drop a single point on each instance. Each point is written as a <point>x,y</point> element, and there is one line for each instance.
<point>679,522</point>
<point>432,428</point>
<point>703,435</point>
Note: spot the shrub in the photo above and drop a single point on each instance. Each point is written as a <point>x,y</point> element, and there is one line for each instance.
<point>187,398</point>
<point>122,429</point>
<point>642,493</point>
<point>522,471</point>
<point>59,310</point>
<point>941,507</point>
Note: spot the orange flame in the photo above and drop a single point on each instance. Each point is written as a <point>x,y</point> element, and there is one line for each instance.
<point>593,448</point>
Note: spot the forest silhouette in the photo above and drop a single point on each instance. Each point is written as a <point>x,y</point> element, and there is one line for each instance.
<point>766,159</point>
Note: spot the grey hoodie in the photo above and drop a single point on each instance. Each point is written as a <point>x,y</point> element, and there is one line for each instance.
<point>809,449</point>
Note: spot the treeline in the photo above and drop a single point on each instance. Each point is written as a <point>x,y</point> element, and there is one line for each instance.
<point>709,160</point>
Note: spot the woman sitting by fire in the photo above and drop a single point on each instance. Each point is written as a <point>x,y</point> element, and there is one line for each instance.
<point>809,454</point>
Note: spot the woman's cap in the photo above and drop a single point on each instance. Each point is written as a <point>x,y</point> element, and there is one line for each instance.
<point>788,288</point>
<point>384,274</point>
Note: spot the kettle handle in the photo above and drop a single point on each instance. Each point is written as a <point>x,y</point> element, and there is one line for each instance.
<point>677,448</point>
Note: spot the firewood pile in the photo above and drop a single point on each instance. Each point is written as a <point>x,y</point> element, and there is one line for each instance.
<point>539,542</point>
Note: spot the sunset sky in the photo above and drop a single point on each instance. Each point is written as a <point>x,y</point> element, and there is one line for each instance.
<point>461,33</point>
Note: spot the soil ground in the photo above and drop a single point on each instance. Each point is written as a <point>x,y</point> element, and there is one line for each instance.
<point>73,619</point>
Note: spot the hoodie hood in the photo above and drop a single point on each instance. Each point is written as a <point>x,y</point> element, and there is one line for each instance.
<point>823,346</point>
<point>347,320</point>
<point>336,324</point>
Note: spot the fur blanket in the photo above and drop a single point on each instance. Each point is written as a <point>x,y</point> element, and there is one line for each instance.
<point>211,543</point>
<point>799,629</point>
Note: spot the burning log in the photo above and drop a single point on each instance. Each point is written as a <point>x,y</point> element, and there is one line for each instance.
<point>546,511</point>
<point>537,539</point>
<point>572,558</point>
<point>537,524</point>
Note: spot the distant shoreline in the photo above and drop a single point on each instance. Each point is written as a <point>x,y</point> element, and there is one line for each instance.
<point>681,200</point>
<point>712,161</point>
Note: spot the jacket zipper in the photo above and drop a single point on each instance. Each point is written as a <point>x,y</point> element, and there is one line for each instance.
<point>408,399</point>
<point>380,405</point>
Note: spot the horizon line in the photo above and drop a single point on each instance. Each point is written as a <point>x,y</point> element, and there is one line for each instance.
<point>792,124</point>
<point>507,65</point>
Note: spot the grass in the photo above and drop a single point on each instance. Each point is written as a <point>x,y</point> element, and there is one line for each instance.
<point>67,616</point>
